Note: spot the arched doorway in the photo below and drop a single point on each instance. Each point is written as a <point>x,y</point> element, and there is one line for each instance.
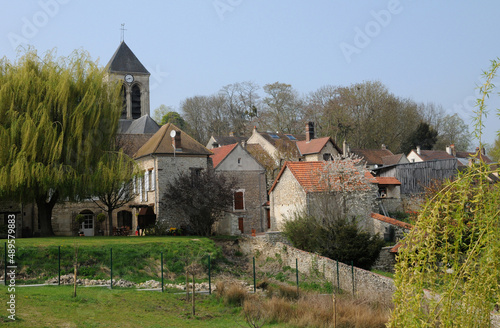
<point>87,226</point>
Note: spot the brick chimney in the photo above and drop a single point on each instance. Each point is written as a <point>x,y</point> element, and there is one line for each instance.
<point>384,147</point>
<point>453,152</point>
<point>176,141</point>
<point>309,131</point>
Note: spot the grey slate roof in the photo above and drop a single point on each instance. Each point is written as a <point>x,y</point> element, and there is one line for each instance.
<point>124,60</point>
<point>144,124</point>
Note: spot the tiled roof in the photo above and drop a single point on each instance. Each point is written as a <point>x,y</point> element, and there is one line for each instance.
<point>144,124</point>
<point>432,155</point>
<point>287,138</point>
<point>124,60</point>
<point>392,221</point>
<point>130,143</point>
<point>387,181</point>
<point>228,140</point>
<point>161,143</point>
<point>467,155</point>
<point>260,155</point>
<point>373,156</point>
<point>221,152</point>
<point>391,159</point>
<point>310,175</point>
<point>314,146</point>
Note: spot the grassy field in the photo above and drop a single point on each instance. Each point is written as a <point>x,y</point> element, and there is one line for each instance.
<point>136,259</point>
<point>54,306</point>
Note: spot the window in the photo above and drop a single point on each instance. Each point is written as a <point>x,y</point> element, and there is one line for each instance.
<point>289,136</point>
<point>327,157</point>
<point>239,161</point>
<point>274,136</point>
<point>151,179</point>
<point>239,200</point>
<point>136,102</point>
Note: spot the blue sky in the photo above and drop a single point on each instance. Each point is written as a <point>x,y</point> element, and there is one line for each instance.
<point>430,51</point>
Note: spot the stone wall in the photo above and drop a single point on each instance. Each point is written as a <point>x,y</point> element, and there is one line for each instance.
<point>366,284</point>
<point>386,260</point>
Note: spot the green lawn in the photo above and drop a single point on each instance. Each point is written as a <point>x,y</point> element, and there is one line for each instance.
<point>54,306</point>
<point>134,258</point>
<point>100,241</point>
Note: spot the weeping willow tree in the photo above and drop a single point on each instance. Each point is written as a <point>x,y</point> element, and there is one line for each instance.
<point>448,272</point>
<point>59,117</point>
<point>113,184</point>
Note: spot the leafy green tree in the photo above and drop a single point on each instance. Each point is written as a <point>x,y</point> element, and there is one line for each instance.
<point>58,119</point>
<point>160,112</point>
<point>175,118</point>
<point>447,273</point>
<point>113,183</point>
<point>424,136</point>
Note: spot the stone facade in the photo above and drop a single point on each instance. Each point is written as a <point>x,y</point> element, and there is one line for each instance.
<point>328,149</point>
<point>239,164</point>
<point>287,198</point>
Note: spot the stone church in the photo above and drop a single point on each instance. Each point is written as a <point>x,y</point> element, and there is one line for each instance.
<point>160,152</point>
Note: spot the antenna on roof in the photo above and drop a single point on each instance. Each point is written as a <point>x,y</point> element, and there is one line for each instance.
<point>123,29</point>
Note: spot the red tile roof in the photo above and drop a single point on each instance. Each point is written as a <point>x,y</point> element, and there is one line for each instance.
<point>387,181</point>
<point>314,146</point>
<point>220,153</point>
<point>391,159</point>
<point>469,155</point>
<point>392,221</point>
<point>310,175</point>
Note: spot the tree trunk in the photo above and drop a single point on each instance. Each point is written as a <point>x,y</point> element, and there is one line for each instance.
<point>45,213</point>
<point>110,222</point>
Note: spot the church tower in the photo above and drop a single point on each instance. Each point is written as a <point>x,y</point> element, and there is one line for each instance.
<point>125,66</point>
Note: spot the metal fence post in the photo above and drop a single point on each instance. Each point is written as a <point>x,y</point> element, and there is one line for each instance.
<point>297,274</point>
<point>209,276</point>
<point>59,266</point>
<point>254,285</point>
<point>111,265</point>
<point>162,272</point>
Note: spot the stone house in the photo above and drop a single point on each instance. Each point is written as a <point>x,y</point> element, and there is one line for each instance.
<point>247,214</point>
<point>278,146</point>
<point>301,188</point>
<point>219,141</point>
<point>321,149</point>
<point>167,153</point>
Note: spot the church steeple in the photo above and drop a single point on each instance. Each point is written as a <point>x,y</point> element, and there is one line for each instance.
<point>125,66</point>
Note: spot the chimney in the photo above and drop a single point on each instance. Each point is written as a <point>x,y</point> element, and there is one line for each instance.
<point>309,131</point>
<point>384,147</point>
<point>418,150</point>
<point>483,151</point>
<point>176,141</point>
<point>452,147</point>
<point>448,150</point>
<point>244,144</point>
<point>231,134</point>
<point>344,149</point>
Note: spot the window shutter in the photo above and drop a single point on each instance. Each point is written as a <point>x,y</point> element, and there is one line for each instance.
<point>239,203</point>
<point>141,194</point>
<point>146,181</point>
<point>133,184</point>
<point>153,180</point>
